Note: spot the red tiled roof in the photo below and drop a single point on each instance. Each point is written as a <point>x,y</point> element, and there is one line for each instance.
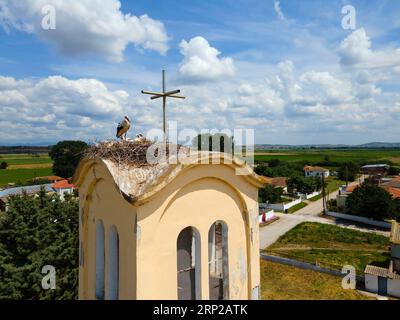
<point>64,184</point>
<point>279,182</point>
<point>395,192</point>
<point>276,182</point>
<point>315,169</point>
<point>352,186</point>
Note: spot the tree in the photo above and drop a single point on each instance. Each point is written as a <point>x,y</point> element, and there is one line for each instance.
<point>304,185</point>
<point>263,170</point>
<point>393,171</point>
<point>370,200</point>
<point>3,165</point>
<point>348,171</point>
<point>270,194</point>
<point>66,156</point>
<point>274,163</point>
<point>39,231</point>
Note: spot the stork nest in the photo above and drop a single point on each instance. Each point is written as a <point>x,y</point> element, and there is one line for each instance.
<point>126,152</point>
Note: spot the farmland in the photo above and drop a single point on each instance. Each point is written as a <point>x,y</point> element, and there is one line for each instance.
<point>321,156</point>
<point>24,167</point>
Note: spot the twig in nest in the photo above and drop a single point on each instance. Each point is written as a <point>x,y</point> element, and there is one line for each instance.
<point>122,152</point>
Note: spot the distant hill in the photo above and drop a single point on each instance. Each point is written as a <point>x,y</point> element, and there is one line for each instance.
<point>380,145</point>
<point>371,145</point>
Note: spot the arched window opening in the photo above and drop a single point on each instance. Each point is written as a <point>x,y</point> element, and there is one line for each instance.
<point>113,267</point>
<point>188,264</point>
<point>100,258</point>
<point>218,262</point>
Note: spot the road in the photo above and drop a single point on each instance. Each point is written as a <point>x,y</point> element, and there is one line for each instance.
<point>269,234</point>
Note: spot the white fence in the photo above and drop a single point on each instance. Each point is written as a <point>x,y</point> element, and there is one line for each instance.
<point>359,219</point>
<point>308,196</point>
<point>283,206</point>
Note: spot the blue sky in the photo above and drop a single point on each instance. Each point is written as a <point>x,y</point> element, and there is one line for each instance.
<point>286,69</point>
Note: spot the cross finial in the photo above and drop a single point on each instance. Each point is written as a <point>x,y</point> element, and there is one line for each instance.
<point>164,94</point>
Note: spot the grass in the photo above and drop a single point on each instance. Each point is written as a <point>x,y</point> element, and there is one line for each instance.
<point>24,167</point>
<point>297,207</point>
<point>341,155</point>
<point>332,246</point>
<point>281,282</point>
<point>336,258</point>
<point>22,159</point>
<point>333,184</point>
<point>22,175</point>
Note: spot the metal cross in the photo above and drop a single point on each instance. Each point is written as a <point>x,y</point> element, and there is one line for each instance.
<point>164,94</point>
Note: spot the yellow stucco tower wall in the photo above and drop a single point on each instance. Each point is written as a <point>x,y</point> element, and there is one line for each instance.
<point>191,195</point>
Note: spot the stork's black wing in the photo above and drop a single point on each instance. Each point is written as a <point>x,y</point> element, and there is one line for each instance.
<point>119,128</point>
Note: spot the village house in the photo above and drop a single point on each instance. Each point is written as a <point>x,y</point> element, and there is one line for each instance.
<point>375,169</point>
<point>276,182</point>
<point>391,185</point>
<point>187,230</point>
<point>386,281</point>
<point>311,171</point>
<point>61,188</point>
<point>344,192</point>
<point>29,190</point>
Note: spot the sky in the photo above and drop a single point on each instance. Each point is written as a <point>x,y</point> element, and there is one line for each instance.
<point>297,72</point>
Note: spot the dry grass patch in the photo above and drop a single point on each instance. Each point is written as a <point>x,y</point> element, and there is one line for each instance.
<point>282,282</point>
<point>31,166</point>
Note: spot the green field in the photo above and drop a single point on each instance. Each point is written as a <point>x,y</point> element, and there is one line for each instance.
<point>341,155</point>
<point>21,159</point>
<point>24,167</point>
<point>333,184</point>
<point>22,175</point>
<point>297,207</point>
<point>332,246</point>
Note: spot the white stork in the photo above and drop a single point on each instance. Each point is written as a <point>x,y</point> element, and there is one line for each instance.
<point>123,128</point>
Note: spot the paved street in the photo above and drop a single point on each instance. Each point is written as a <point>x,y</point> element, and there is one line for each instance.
<point>269,234</point>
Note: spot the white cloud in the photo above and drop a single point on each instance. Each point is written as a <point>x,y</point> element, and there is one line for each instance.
<point>278,10</point>
<point>201,61</point>
<point>86,26</point>
<point>54,108</point>
<point>356,51</point>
